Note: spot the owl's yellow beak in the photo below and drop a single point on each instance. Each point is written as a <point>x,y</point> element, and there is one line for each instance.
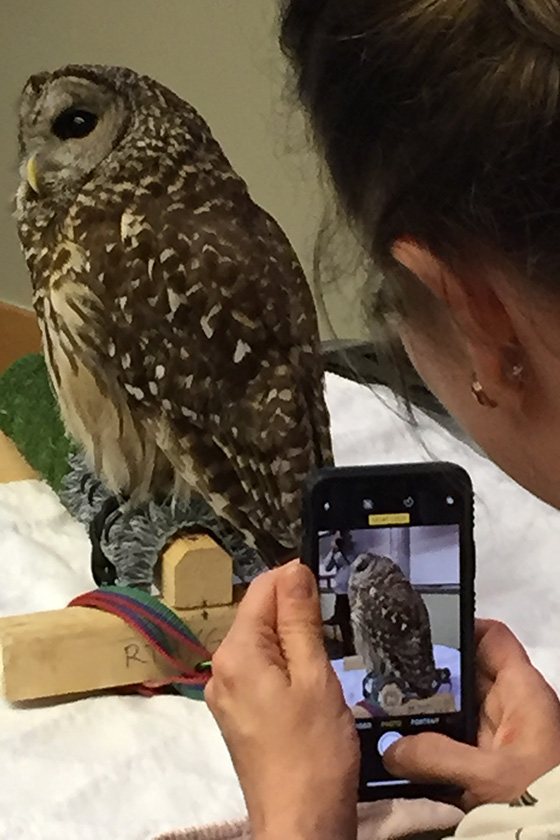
<point>32,174</point>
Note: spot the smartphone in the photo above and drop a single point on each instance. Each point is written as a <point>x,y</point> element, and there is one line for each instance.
<point>393,551</point>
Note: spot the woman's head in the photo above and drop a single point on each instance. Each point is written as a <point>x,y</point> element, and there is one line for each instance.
<point>439,121</point>
<point>343,540</point>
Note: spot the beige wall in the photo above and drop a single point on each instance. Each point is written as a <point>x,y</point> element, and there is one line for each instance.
<point>222,55</point>
<point>445,618</point>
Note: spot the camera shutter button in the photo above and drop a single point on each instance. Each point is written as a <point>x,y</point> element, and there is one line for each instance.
<point>387,740</point>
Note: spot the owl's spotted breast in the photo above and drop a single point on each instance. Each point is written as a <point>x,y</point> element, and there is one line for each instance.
<point>95,415</point>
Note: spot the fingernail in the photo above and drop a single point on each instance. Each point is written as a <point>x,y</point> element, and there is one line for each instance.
<point>391,757</point>
<point>299,581</point>
<point>393,750</point>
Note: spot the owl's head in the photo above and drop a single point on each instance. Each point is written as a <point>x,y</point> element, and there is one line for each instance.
<point>69,122</point>
<point>368,566</point>
<point>362,566</point>
<point>82,121</point>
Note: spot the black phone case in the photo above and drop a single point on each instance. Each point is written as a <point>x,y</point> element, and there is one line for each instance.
<point>467,577</point>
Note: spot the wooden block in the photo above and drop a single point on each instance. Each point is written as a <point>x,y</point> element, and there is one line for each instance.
<point>13,466</point>
<point>196,572</point>
<point>353,663</point>
<point>439,704</point>
<point>19,334</point>
<point>361,713</point>
<point>79,650</point>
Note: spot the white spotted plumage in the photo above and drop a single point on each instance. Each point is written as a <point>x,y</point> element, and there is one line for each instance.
<point>391,626</point>
<point>178,327</point>
<point>241,350</point>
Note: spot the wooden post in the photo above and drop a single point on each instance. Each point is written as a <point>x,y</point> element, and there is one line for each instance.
<point>79,650</point>
<point>12,465</point>
<point>196,572</point>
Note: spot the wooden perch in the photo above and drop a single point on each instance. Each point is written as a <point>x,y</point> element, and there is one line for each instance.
<point>13,467</point>
<point>79,650</point>
<point>391,698</point>
<point>196,572</point>
<point>439,704</point>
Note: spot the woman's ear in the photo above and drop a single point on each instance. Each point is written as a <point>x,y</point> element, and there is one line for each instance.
<point>480,315</point>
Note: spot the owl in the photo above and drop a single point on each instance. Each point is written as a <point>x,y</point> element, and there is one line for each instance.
<point>392,632</point>
<point>178,328</point>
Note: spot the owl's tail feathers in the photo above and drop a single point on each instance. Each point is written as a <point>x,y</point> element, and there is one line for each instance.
<point>319,421</point>
<point>274,553</point>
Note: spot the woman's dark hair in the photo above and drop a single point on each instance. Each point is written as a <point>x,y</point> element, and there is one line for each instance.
<point>439,120</point>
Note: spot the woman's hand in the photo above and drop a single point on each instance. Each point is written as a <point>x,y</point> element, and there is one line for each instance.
<point>519,734</point>
<point>282,713</point>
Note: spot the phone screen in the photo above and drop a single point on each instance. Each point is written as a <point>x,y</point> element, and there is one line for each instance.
<point>393,555</point>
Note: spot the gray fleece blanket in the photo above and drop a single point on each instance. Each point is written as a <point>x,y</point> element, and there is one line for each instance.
<point>133,538</point>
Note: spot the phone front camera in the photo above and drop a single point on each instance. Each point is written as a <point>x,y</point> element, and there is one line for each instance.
<point>450,500</point>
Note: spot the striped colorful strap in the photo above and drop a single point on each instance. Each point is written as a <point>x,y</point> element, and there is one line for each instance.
<point>164,631</point>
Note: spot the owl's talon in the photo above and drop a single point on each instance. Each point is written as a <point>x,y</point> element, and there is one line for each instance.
<point>443,677</point>
<point>103,571</point>
<point>93,488</point>
<point>111,519</point>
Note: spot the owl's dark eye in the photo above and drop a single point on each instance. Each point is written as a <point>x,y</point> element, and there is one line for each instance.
<point>362,565</point>
<point>74,123</point>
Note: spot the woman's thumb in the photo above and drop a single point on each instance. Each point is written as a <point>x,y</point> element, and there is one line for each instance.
<point>430,757</point>
<point>299,624</point>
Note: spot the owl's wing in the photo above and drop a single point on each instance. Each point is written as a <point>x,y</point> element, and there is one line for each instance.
<point>211,330</point>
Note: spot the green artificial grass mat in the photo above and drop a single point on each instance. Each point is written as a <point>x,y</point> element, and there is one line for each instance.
<point>29,416</point>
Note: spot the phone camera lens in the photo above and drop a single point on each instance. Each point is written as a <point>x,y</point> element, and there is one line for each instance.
<point>327,506</point>
<point>450,500</point>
